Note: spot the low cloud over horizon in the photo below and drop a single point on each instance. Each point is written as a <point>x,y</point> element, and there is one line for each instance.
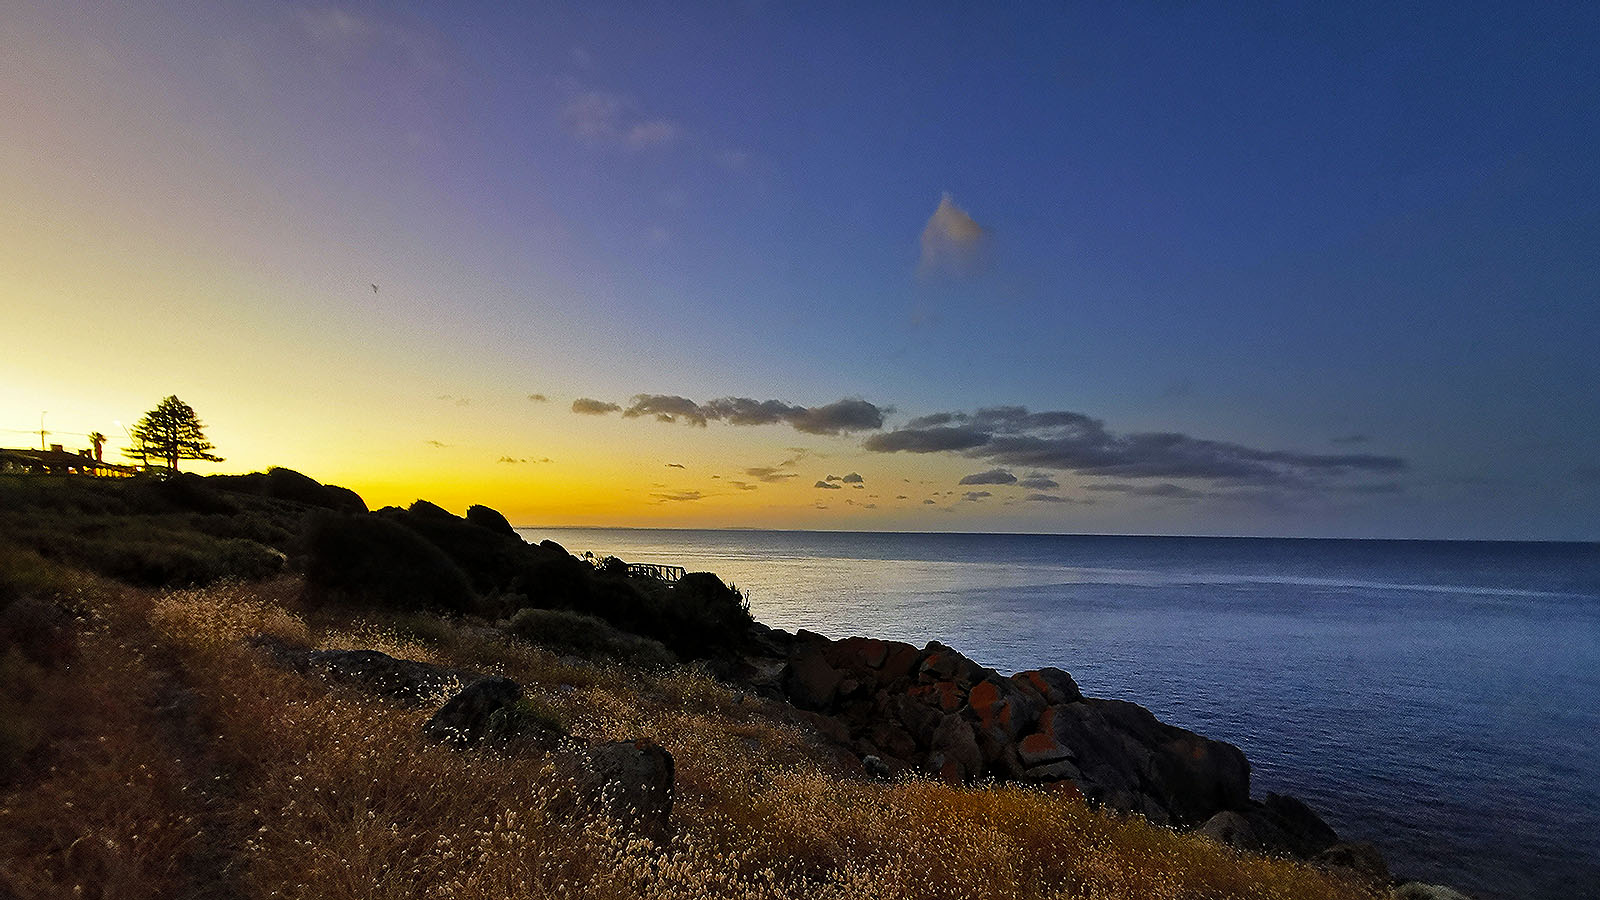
<point>833,418</point>
<point>1071,441</point>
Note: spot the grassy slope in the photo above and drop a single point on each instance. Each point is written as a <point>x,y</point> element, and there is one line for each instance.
<point>170,760</point>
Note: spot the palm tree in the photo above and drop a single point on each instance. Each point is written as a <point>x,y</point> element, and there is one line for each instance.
<point>98,440</point>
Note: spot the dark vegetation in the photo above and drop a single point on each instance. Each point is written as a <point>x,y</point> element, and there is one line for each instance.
<point>190,531</point>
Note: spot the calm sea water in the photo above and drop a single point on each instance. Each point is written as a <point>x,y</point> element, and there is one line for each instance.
<point>1440,699</point>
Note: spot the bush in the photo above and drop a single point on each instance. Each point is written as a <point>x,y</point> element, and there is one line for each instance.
<point>370,559</point>
<point>589,637</point>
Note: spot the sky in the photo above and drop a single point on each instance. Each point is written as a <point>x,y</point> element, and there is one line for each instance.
<point>1326,270</point>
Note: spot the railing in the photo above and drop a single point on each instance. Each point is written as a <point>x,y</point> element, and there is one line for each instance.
<point>668,574</point>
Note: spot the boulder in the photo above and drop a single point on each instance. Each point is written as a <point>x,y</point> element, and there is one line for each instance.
<point>631,781</point>
<point>1053,684</point>
<point>1124,752</point>
<point>810,682</point>
<point>1360,859</point>
<point>398,679</point>
<point>468,717</point>
<point>954,752</point>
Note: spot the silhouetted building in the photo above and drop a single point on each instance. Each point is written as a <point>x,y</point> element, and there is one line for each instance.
<point>59,461</point>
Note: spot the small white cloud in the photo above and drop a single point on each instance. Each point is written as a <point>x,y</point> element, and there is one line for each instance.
<point>652,133</point>
<point>952,243</point>
<point>330,25</point>
<point>594,115</point>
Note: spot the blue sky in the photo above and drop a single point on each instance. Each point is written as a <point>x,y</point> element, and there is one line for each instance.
<point>1332,229</point>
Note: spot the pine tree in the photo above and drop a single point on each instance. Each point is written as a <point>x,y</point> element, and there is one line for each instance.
<point>171,432</point>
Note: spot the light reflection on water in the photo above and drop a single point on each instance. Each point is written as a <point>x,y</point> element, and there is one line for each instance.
<point>1436,698</point>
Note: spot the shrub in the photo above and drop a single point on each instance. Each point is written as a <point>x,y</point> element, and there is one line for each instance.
<point>589,637</point>
<point>370,559</point>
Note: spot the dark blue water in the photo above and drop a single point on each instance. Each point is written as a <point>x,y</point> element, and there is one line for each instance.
<point>1440,699</point>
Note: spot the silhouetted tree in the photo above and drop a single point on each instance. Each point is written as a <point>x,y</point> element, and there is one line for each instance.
<point>98,440</point>
<point>171,432</point>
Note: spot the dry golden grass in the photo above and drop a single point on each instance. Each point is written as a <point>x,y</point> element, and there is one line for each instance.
<point>332,794</point>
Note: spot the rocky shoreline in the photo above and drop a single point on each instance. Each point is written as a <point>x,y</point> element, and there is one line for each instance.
<point>890,708</point>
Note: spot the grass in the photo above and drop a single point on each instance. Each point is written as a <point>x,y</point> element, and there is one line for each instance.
<point>177,759</point>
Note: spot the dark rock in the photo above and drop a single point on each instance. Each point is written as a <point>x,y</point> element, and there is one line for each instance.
<point>1249,833</point>
<point>810,682</point>
<point>399,679</point>
<point>1124,751</point>
<point>954,752</point>
<point>492,519</point>
<point>1362,860</point>
<point>466,719</point>
<point>874,766</point>
<point>632,782</point>
<point>1053,684</point>
<point>1306,831</point>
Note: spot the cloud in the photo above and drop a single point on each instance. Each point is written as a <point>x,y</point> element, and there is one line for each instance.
<point>927,503</point>
<point>603,117</point>
<point>975,496</point>
<point>1053,498</point>
<point>1350,439</point>
<point>450,398</point>
<point>666,408</point>
<point>522,459</point>
<point>853,478</point>
<point>538,398</point>
<point>679,497</point>
<point>993,476</point>
<point>745,485</point>
<point>769,474</point>
<point>594,115</point>
<point>590,407</point>
<point>952,242</point>
<point>437,445</point>
<point>651,133</point>
<point>1164,490</point>
<point>1072,441</point>
<point>1039,481</point>
<point>833,418</point>
<point>331,25</point>
<point>675,465</point>
<point>828,485</point>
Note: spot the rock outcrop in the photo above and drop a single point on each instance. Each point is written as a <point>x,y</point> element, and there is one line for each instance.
<point>936,711</point>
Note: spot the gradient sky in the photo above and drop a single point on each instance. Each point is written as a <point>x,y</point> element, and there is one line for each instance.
<point>1332,270</point>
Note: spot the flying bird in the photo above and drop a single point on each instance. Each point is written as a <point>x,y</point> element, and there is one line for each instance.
<point>374,289</point>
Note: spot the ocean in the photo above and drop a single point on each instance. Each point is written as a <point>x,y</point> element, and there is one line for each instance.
<point>1440,699</point>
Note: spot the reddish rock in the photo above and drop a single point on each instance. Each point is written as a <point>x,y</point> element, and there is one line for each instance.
<point>857,653</point>
<point>955,740</point>
<point>1053,684</point>
<point>1043,746</point>
<point>899,660</point>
